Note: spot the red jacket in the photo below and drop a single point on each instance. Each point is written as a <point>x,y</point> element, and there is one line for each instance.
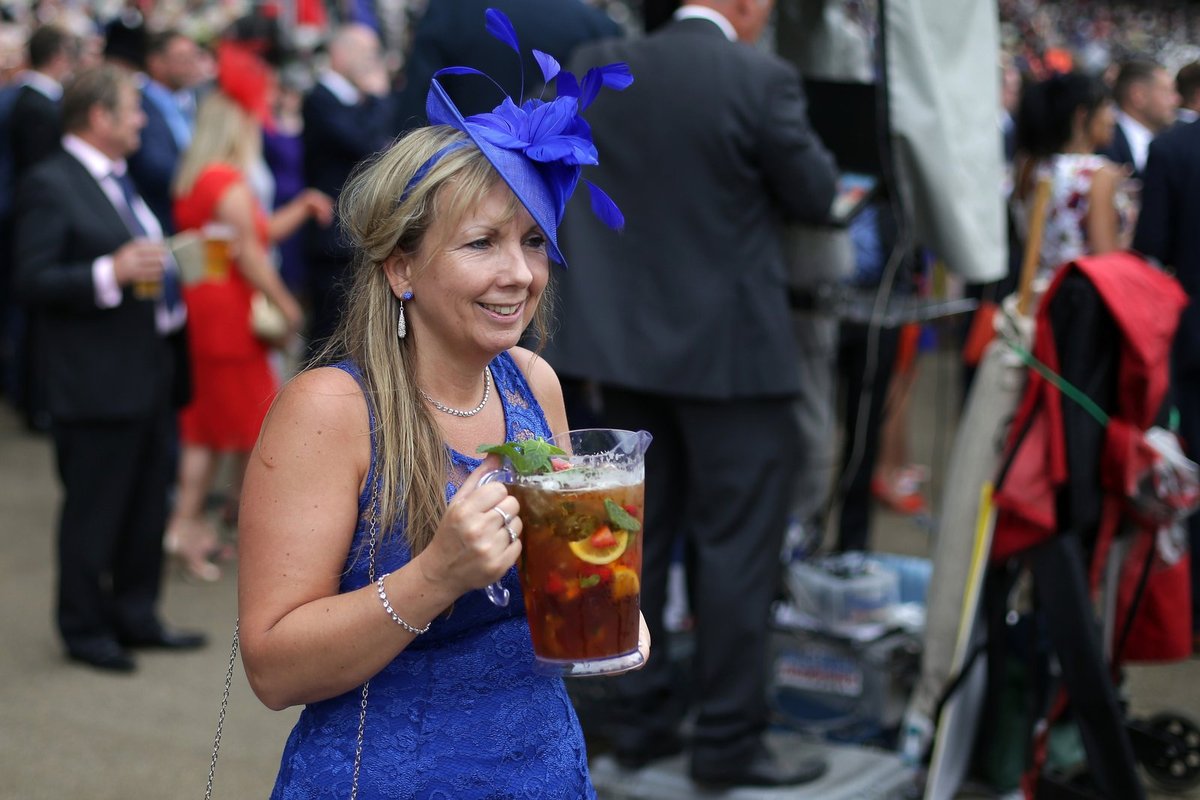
<point>1145,304</point>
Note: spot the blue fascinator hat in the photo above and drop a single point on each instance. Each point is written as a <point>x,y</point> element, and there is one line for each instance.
<point>539,148</point>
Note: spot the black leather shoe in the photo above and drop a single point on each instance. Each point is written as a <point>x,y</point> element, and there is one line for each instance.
<point>764,769</point>
<point>165,638</point>
<point>102,654</point>
<point>664,746</point>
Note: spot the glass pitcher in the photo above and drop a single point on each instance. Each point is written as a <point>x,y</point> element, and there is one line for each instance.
<point>581,557</point>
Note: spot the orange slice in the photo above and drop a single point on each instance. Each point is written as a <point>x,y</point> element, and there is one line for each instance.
<point>625,582</point>
<point>584,550</point>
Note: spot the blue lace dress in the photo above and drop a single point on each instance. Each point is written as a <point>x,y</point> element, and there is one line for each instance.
<point>459,714</point>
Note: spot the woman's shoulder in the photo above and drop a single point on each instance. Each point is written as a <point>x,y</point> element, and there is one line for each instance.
<point>218,174</point>
<point>537,372</point>
<point>1082,162</point>
<point>324,398</point>
<point>543,385</point>
<point>211,184</point>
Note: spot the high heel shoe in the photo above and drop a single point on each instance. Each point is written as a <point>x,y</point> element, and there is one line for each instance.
<point>901,491</point>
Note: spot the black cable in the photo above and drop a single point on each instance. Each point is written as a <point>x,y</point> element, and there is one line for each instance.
<point>905,240</point>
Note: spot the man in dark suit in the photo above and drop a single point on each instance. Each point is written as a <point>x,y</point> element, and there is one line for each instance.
<point>1187,84</point>
<point>172,71</point>
<point>449,34</point>
<point>683,321</point>
<point>91,265</point>
<point>1167,231</point>
<point>348,115</point>
<point>33,136</point>
<point>1146,103</point>
<point>52,54</point>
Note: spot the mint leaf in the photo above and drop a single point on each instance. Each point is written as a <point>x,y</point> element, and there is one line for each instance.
<point>588,581</point>
<point>527,457</point>
<point>619,517</point>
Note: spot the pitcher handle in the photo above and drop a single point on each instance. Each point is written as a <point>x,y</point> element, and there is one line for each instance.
<point>498,594</point>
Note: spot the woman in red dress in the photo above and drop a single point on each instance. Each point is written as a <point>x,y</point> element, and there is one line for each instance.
<point>233,382</point>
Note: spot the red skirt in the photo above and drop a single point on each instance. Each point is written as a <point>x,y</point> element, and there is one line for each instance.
<point>230,399</point>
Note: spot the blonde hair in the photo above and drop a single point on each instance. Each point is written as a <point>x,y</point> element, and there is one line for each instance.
<point>224,133</point>
<point>381,215</point>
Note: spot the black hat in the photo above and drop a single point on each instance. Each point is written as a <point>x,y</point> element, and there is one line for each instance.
<point>125,40</point>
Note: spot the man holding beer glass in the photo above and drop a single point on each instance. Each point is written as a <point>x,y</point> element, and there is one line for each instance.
<point>91,264</point>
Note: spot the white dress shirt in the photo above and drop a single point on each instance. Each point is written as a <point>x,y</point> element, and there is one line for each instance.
<point>715,17</point>
<point>42,84</point>
<point>346,92</point>
<point>1138,136</point>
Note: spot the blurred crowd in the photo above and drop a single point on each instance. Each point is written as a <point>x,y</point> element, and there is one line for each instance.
<point>1095,34</point>
<point>234,125</point>
<point>240,122</point>
<point>340,76</point>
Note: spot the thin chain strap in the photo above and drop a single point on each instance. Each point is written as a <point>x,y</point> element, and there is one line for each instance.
<point>362,712</point>
<point>212,765</point>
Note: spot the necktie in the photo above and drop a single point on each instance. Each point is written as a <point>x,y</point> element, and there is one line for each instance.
<point>171,294</point>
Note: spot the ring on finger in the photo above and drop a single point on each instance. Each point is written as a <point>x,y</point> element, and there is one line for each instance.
<point>507,519</point>
<point>512,535</point>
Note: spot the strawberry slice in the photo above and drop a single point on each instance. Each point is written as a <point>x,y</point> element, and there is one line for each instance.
<point>559,464</point>
<point>555,583</point>
<point>603,573</point>
<point>603,538</point>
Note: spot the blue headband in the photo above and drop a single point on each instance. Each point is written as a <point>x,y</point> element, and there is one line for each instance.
<point>539,148</point>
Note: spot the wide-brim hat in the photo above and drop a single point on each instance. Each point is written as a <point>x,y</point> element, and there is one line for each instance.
<point>520,173</point>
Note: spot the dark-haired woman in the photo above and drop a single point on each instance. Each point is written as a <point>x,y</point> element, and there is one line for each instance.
<point>1061,122</point>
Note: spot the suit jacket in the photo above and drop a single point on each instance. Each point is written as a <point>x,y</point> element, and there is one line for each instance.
<point>1118,150</point>
<point>1167,226</point>
<point>100,363</point>
<point>8,100</point>
<point>336,138</point>
<point>453,34</point>
<point>152,167</point>
<point>36,130</point>
<point>708,154</point>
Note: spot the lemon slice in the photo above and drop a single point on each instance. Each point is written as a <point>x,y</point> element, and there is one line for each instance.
<point>625,582</point>
<point>584,550</point>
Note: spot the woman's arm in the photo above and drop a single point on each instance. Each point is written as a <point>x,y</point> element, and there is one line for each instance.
<point>302,641</point>
<point>237,207</point>
<point>309,204</point>
<point>1103,234</point>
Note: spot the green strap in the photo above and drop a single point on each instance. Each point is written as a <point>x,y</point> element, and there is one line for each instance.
<point>1071,391</point>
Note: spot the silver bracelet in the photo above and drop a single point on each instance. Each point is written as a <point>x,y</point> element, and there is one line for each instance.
<point>383,598</point>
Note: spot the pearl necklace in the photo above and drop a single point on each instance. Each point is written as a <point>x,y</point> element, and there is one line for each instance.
<point>487,392</point>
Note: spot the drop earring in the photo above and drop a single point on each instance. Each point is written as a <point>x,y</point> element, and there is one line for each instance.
<point>401,325</point>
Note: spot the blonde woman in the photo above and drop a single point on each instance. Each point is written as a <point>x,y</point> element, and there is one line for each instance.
<point>233,383</point>
<point>366,538</point>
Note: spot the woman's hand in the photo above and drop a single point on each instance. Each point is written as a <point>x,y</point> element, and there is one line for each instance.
<point>472,546</point>
<point>293,313</point>
<point>318,205</point>
<point>643,639</point>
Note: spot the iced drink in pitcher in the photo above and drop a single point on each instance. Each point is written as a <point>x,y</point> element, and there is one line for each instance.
<point>581,560</point>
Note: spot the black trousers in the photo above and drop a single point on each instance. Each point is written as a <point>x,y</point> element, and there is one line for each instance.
<point>719,474</point>
<point>115,477</point>
<point>862,420</point>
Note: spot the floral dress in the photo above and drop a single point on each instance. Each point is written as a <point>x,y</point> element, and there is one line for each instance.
<point>1064,237</point>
